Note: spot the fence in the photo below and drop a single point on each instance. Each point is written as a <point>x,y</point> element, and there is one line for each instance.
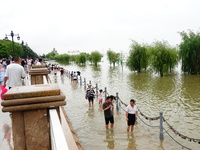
<point>160,117</point>
<point>58,141</point>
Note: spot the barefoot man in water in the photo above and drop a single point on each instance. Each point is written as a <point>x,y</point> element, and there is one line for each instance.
<point>131,115</point>
<point>108,112</point>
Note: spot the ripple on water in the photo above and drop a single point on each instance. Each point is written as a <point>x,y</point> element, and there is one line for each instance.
<point>177,96</point>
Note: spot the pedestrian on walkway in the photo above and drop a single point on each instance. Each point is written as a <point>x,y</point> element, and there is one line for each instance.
<point>131,115</point>
<point>14,73</point>
<point>108,112</point>
<point>39,62</point>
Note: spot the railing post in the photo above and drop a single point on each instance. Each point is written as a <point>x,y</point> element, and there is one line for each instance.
<point>117,101</point>
<point>161,126</point>
<point>96,88</point>
<point>80,80</point>
<point>105,93</point>
<point>84,83</point>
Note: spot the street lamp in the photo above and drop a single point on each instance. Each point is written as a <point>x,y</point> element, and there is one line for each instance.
<point>12,35</point>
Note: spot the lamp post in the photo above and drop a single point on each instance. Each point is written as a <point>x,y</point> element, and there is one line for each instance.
<point>12,35</point>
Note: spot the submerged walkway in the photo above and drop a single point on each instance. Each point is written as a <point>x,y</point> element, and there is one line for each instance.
<point>89,124</point>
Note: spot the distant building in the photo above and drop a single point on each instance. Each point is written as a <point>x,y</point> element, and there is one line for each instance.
<point>54,51</point>
<point>75,52</point>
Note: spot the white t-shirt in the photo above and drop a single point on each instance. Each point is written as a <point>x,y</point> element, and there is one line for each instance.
<point>38,63</point>
<point>131,110</point>
<point>101,95</point>
<point>29,62</point>
<point>14,72</point>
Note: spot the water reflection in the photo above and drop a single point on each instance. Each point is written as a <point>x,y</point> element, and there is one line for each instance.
<point>7,135</point>
<point>110,139</point>
<point>62,79</point>
<point>131,142</point>
<point>55,79</point>
<point>177,96</point>
<point>161,144</point>
<point>91,111</point>
<point>138,81</point>
<point>97,69</point>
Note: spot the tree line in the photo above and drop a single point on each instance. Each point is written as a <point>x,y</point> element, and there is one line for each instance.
<point>94,57</point>
<point>163,58</point>
<point>19,49</point>
<point>159,56</point>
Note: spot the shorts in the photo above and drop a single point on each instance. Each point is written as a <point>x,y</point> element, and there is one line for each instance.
<point>91,99</point>
<point>131,119</point>
<point>100,100</point>
<point>110,119</point>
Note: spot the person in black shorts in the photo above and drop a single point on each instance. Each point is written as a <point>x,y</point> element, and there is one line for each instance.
<point>131,115</point>
<point>108,112</point>
<point>90,95</point>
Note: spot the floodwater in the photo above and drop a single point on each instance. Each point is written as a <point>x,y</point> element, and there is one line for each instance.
<point>177,96</point>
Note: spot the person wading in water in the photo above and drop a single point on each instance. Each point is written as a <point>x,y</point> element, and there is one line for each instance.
<point>131,115</point>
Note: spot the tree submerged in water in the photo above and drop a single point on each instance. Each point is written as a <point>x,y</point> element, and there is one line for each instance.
<point>163,57</point>
<point>159,56</point>
<point>190,52</point>
<point>95,57</point>
<point>113,57</point>
<point>138,58</point>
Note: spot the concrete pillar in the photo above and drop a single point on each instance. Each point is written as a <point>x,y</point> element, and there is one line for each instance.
<point>30,116</point>
<point>37,75</point>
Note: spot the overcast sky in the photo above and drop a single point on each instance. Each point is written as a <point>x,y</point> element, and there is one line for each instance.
<point>88,25</point>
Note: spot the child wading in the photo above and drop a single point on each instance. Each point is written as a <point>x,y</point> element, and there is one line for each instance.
<point>101,95</point>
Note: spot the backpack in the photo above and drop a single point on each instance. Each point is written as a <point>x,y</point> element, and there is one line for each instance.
<point>90,93</point>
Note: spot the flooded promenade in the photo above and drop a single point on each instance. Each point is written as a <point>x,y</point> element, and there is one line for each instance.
<point>177,96</point>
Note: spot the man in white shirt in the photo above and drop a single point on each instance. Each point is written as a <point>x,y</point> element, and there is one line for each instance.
<point>39,62</point>
<point>131,115</point>
<point>14,74</point>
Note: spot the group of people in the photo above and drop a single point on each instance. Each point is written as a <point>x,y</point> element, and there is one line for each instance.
<point>15,70</point>
<point>74,76</point>
<point>15,73</point>
<point>108,108</point>
<point>29,62</point>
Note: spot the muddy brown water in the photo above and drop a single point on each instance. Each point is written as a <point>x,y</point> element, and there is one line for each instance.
<point>178,96</point>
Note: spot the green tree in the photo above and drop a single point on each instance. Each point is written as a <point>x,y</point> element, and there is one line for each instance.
<point>28,52</point>
<point>138,57</point>
<point>50,55</point>
<point>190,52</point>
<point>74,58</point>
<point>113,57</point>
<point>3,51</point>
<point>95,57</point>
<point>63,58</point>
<point>82,58</point>
<point>43,56</point>
<point>19,49</point>
<point>163,57</point>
